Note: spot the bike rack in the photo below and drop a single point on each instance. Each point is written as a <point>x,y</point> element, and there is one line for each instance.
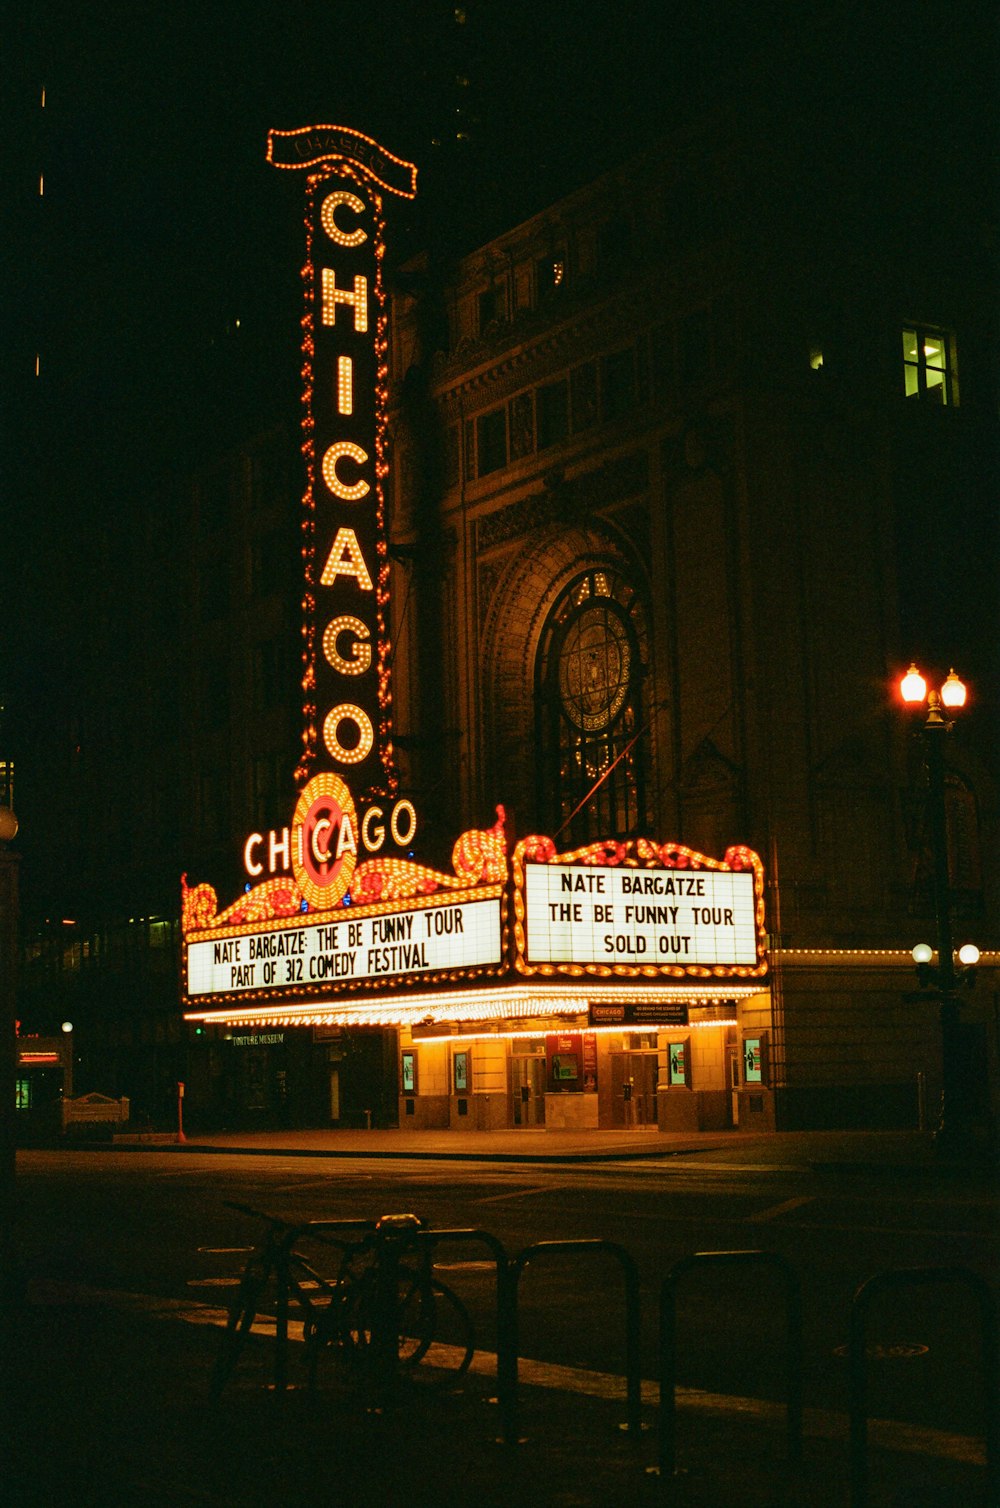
<point>283,1285</point>
<point>475,1236</point>
<point>399,1233</point>
<point>668,1346</point>
<point>913,1277</point>
<point>507,1335</point>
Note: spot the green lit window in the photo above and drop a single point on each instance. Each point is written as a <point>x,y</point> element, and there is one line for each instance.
<point>928,365</point>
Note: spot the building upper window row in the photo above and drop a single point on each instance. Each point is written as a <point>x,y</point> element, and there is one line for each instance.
<point>528,286</point>
<point>544,416</point>
<point>677,353</point>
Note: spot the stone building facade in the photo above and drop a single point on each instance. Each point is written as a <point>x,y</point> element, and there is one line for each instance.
<point>663,458</point>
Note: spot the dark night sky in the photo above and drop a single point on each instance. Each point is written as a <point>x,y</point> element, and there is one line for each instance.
<point>161,224</point>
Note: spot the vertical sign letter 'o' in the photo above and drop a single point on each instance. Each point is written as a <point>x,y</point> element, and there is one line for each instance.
<point>346,683</point>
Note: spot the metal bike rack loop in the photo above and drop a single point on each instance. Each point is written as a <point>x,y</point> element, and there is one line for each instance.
<point>914,1277</point>
<point>668,1346</point>
<point>508,1340</point>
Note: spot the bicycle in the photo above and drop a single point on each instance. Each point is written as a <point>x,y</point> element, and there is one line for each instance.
<point>382,1315</point>
<point>276,1269</point>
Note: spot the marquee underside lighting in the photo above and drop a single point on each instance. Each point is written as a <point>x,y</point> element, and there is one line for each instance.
<point>500,1004</point>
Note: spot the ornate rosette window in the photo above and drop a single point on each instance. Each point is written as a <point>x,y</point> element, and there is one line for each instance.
<point>591,725</point>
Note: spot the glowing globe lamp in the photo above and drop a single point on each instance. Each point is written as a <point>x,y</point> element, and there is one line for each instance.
<point>913,687</point>
<point>953,691</point>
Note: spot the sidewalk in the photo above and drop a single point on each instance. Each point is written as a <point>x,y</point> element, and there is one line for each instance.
<point>845,1151</point>
<point>114,1407</point>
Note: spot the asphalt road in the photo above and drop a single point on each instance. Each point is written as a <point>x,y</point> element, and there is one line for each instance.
<point>156,1223</point>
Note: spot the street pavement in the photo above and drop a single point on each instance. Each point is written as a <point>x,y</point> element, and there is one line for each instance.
<point>110,1400</point>
<point>885,1151</point>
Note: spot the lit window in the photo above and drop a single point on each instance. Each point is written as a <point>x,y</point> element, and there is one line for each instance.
<point>550,274</point>
<point>928,365</point>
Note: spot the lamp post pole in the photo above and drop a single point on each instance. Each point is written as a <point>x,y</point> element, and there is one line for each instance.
<point>948,1131</point>
<point>952,1121</point>
<point>9,861</point>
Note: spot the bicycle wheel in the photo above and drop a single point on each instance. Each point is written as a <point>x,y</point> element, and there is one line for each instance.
<point>242,1313</point>
<point>434,1326</point>
<point>340,1327</point>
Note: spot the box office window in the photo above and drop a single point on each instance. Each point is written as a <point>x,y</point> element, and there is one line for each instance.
<point>679,1064</point>
<point>755,1060</point>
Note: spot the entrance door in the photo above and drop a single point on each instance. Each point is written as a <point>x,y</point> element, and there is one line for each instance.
<point>528,1090</point>
<point>733,1084</point>
<point>633,1089</point>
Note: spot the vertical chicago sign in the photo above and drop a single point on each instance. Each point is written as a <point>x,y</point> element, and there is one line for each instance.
<point>347,731</point>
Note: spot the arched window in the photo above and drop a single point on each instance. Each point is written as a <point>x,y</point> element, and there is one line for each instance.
<point>593,737</point>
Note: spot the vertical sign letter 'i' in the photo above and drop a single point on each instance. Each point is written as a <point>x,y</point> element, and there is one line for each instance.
<point>346,693</point>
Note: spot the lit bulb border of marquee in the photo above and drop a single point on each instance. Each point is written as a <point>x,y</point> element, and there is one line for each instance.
<point>316,184</point>
<point>637,853</point>
<point>343,914</point>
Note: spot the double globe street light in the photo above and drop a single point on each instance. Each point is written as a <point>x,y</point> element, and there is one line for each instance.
<point>937,708</point>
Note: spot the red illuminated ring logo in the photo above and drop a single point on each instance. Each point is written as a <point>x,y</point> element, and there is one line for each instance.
<point>324,840</point>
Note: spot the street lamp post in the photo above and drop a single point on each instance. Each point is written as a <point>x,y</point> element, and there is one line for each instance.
<point>936,707</point>
<point>9,861</point>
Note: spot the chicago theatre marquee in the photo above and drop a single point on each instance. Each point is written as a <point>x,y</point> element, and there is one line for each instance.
<point>618,984</point>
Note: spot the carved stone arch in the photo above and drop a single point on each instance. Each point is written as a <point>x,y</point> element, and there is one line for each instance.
<point>526,593</point>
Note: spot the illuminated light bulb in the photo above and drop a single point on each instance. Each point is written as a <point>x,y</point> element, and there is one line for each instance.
<point>922,953</point>
<point>968,954</point>
<point>953,691</point>
<point>913,687</point>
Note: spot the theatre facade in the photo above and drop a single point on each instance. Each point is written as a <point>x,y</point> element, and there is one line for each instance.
<point>602,815</point>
